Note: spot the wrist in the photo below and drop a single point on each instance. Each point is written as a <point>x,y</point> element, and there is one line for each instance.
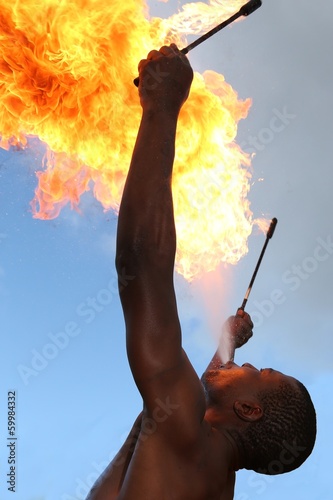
<point>160,113</point>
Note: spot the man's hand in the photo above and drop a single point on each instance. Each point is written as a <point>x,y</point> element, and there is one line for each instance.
<point>239,328</point>
<point>165,80</point>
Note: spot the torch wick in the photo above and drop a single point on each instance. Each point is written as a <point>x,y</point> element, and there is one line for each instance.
<point>246,10</point>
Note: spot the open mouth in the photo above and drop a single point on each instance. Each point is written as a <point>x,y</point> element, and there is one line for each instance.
<point>228,365</point>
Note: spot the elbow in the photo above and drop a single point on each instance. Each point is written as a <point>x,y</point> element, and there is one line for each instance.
<point>126,268</point>
<point>144,263</point>
<point>131,255</point>
<point>126,260</point>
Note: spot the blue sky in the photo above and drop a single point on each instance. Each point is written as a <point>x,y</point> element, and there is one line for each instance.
<point>64,351</point>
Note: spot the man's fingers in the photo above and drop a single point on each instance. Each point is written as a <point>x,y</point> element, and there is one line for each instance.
<point>153,54</point>
<point>246,331</point>
<point>168,50</point>
<point>249,320</point>
<point>141,64</point>
<point>165,51</point>
<point>244,337</point>
<point>245,316</point>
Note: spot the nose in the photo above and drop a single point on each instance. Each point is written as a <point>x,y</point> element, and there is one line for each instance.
<point>248,365</point>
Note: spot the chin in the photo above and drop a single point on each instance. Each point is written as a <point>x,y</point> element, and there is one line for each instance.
<point>210,374</point>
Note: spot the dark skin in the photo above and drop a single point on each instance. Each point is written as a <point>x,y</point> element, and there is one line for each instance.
<point>180,446</point>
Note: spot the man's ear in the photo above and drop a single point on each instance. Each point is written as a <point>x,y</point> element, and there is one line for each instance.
<point>248,411</point>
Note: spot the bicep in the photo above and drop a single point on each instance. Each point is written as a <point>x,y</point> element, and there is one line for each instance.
<point>160,367</point>
<point>175,404</point>
<point>153,333</point>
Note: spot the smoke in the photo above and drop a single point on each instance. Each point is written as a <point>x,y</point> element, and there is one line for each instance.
<point>213,292</point>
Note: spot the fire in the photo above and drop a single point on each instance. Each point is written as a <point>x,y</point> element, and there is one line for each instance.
<point>66,76</point>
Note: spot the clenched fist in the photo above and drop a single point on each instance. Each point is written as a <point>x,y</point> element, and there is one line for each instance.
<point>239,328</point>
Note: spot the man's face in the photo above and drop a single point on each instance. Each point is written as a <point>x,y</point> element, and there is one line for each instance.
<point>233,381</point>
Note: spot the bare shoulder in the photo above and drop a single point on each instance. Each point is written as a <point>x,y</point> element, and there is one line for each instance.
<point>178,406</point>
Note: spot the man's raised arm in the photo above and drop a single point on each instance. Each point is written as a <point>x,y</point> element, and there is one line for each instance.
<point>146,240</point>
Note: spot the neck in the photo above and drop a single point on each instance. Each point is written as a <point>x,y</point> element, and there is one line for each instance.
<point>228,435</point>
<point>235,453</point>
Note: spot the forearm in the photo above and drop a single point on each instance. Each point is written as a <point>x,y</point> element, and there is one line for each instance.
<point>146,222</point>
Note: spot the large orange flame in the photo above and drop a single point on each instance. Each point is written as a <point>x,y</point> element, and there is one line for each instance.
<point>66,74</point>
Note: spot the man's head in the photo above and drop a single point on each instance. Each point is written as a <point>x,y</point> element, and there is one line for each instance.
<point>270,416</point>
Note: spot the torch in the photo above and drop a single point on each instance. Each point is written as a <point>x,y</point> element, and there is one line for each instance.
<point>269,236</point>
<point>246,10</point>
<point>228,347</point>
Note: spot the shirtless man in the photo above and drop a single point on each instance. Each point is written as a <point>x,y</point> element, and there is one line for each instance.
<point>193,435</point>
